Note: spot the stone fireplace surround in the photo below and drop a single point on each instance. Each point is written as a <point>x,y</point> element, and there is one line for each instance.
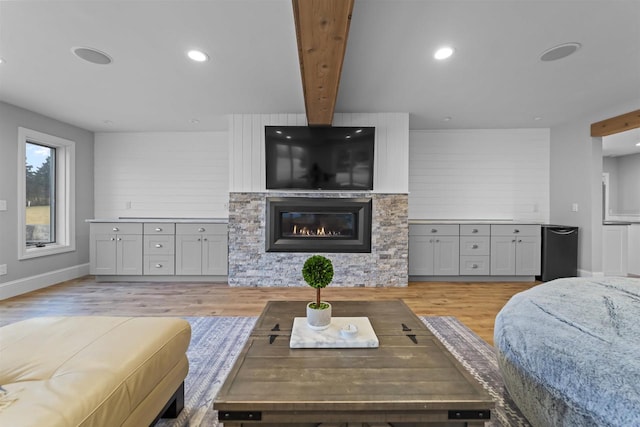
<point>251,265</point>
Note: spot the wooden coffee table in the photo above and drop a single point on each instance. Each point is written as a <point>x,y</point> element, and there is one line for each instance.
<point>410,380</point>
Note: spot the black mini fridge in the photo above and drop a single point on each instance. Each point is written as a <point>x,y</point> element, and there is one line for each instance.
<point>559,252</point>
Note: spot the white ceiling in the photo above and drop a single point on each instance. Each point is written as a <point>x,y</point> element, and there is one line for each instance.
<point>621,144</point>
<point>494,80</point>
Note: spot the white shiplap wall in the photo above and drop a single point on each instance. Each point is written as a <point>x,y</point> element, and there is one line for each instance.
<point>479,174</point>
<point>163,174</point>
<point>246,148</point>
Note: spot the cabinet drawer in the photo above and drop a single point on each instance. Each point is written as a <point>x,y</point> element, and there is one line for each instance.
<point>159,265</point>
<point>474,265</point>
<point>116,228</point>
<point>159,245</point>
<point>159,228</point>
<point>434,229</point>
<point>201,228</point>
<point>475,229</point>
<point>474,245</point>
<point>515,230</point>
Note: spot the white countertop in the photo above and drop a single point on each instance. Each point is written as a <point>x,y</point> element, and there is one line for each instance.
<point>164,220</point>
<point>472,221</point>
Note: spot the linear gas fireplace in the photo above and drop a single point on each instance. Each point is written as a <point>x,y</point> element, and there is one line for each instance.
<point>300,224</point>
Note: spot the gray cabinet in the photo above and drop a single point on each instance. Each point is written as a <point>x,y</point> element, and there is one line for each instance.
<point>475,249</point>
<point>201,249</point>
<point>159,249</point>
<point>434,250</point>
<point>515,250</point>
<point>115,248</point>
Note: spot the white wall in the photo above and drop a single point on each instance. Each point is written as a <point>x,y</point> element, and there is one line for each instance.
<point>629,184</point>
<point>246,148</point>
<point>30,274</point>
<point>576,177</point>
<point>479,174</point>
<point>161,174</point>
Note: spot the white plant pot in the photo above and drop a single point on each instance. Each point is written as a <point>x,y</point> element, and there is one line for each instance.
<point>318,319</point>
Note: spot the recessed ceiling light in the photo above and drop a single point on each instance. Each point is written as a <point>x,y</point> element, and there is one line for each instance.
<point>194,121</point>
<point>198,55</point>
<point>560,51</point>
<point>108,122</point>
<point>638,144</point>
<point>446,119</point>
<point>92,55</point>
<point>537,119</point>
<point>443,53</point>
<point>1,60</point>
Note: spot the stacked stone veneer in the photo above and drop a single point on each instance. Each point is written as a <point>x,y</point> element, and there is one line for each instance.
<point>251,265</point>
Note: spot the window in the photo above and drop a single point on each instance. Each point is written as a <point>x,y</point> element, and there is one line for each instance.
<point>45,194</point>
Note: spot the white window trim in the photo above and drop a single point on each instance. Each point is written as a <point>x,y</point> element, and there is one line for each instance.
<point>65,194</point>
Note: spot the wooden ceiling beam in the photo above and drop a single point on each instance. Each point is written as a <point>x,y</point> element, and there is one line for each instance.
<point>322,27</point>
<point>616,124</point>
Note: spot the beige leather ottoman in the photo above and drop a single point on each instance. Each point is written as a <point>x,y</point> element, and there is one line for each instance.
<point>92,370</point>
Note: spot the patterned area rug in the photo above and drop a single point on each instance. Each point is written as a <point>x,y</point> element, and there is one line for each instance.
<point>213,350</point>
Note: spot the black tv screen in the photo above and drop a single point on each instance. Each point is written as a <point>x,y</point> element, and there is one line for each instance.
<point>319,158</point>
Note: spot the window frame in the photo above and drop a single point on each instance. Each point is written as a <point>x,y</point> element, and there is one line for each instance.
<point>64,194</point>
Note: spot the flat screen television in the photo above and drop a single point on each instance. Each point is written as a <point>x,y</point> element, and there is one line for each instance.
<point>319,158</point>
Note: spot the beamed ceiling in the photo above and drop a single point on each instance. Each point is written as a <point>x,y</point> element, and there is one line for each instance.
<point>276,57</point>
<point>322,29</point>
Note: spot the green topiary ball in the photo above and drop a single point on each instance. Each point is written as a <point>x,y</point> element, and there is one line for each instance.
<point>317,271</point>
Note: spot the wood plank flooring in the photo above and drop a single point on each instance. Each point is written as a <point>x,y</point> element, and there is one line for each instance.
<point>475,304</point>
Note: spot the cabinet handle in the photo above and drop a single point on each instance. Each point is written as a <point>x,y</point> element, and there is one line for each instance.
<point>119,239</point>
<point>434,230</point>
<point>158,265</point>
<point>520,241</point>
<point>474,247</point>
<point>513,241</point>
<point>199,239</point>
<point>205,239</point>
<point>437,240</point>
<point>158,245</point>
<point>158,229</point>
<point>475,230</point>
<point>115,229</point>
<point>474,266</point>
<point>516,231</point>
<point>113,238</point>
<point>201,229</point>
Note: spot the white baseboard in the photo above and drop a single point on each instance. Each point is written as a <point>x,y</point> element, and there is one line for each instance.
<point>587,273</point>
<point>32,283</point>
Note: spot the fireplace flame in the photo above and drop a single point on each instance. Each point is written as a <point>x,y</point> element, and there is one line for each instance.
<point>319,232</point>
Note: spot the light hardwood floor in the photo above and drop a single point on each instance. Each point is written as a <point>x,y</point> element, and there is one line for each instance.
<point>475,304</point>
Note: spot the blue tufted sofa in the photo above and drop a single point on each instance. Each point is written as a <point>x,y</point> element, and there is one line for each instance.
<point>569,352</point>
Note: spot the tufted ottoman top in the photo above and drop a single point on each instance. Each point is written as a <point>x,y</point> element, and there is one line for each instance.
<point>580,340</point>
<point>77,371</point>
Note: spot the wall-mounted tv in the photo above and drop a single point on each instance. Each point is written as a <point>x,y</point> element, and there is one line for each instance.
<point>319,158</point>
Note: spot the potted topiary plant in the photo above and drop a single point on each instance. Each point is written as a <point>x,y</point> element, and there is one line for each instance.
<point>318,273</point>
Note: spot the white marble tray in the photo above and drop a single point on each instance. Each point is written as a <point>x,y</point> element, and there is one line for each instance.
<point>302,336</point>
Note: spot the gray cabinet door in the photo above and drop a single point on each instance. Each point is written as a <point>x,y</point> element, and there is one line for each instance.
<point>214,254</point>
<point>421,255</point>
<point>527,258</point>
<point>446,256</point>
<point>102,254</point>
<point>503,256</point>
<point>189,255</point>
<point>129,254</point>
